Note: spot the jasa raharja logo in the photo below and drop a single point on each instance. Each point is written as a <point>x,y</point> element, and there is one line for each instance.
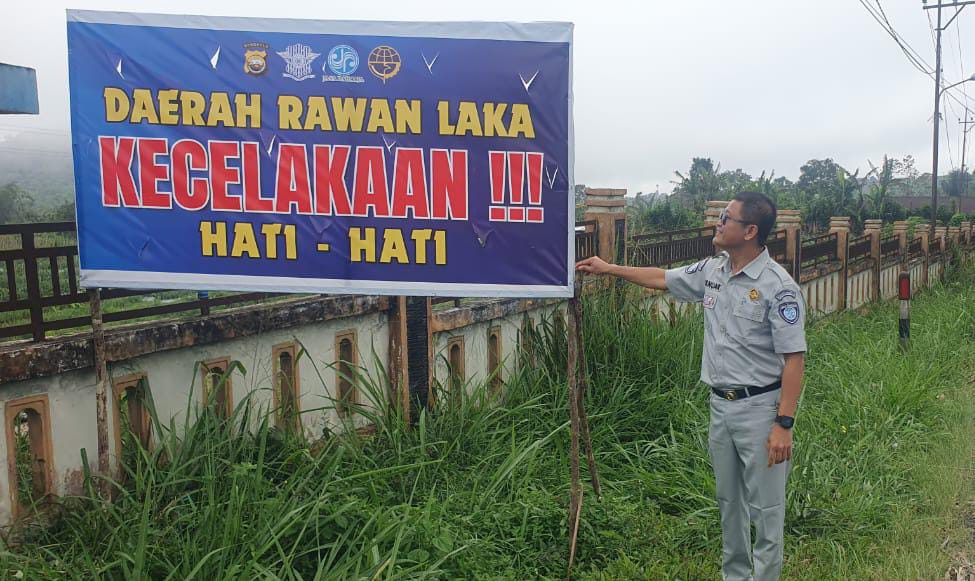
<point>342,61</point>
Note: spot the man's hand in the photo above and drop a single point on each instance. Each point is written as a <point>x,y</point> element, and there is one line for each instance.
<point>779,445</point>
<point>594,265</point>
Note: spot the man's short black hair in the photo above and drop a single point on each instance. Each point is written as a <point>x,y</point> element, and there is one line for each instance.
<point>758,209</point>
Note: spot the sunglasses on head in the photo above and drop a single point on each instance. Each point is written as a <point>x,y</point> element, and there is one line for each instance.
<point>724,217</point>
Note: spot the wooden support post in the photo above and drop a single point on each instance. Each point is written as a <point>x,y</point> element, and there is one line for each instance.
<point>399,379</point>
<point>33,284</point>
<point>583,387</point>
<point>578,419</point>
<point>419,354</point>
<point>101,388</point>
<point>575,487</point>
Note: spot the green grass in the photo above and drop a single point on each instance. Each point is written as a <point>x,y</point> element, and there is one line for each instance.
<point>479,489</point>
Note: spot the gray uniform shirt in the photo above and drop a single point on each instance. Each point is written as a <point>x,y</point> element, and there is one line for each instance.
<point>750,319</point>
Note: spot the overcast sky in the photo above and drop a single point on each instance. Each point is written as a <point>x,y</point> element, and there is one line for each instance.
<point>753,84</point>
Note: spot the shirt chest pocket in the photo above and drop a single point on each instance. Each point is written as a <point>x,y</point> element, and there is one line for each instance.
<point>749,312</point>
<point>749,323</point>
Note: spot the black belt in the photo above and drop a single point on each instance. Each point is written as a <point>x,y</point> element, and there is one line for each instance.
<point>733,394</point>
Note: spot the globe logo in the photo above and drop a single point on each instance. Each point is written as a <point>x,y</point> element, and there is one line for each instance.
<point>343,60</point>
<point>384,62</point>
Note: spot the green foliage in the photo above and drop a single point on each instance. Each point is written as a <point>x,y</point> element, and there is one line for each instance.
<point>955,183</point>
<point>478,487</point>
<point>647,213</point>
<point>16,205</point>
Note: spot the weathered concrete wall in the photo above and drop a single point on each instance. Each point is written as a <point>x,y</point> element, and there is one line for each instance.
<point>174,380</point>
<point>172,373</point>
<point>475,338</point>
<point>822,294</point>
<point>889,276</point>
<point>71,401</point>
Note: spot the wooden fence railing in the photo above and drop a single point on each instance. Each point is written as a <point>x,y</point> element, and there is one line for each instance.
<point>818,249</point>
<point>665,249</point>
<point>859,248</point>
<point>40,294</point>
<point>889,246</point>
<point>587,239</point>
<point>915,249</point>
<point>777,249</point>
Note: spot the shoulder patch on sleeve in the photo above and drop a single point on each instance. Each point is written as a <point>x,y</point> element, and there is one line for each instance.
<point>697,266</point>
<point>783,294</point>
<point>789,312</point>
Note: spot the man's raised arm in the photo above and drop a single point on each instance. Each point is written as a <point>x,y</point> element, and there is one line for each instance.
<point>650,277</point>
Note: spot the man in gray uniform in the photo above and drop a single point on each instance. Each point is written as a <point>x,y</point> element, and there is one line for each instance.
<point>753,360</point>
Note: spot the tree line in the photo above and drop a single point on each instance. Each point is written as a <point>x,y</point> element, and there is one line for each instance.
<point>824,189</point>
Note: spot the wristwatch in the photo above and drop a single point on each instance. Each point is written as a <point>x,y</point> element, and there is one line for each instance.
<point>785,421</point>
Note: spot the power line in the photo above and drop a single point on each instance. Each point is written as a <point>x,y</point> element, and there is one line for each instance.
<point>912,55</point>
<point>905,46</point>
<point>931,27</point>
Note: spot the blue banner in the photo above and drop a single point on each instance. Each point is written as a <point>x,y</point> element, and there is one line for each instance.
<point>322,156</point>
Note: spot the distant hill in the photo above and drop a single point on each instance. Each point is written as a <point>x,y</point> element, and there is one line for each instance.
<point>40,164</point>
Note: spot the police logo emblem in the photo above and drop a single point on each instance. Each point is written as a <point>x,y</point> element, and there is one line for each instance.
<point>298,58</point>
<point>384,62</point>
<point>255,58</point>
<point>789,312</point>
<point>754,294</point>
<point>709,301</point>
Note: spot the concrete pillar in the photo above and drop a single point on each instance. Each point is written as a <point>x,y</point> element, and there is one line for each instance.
<point>922,231</point>
<point>606,206</point>
<point>840,225</point>
<point>900,230</point>
<point>954,234</point>
<point>939,237</point>
<point>966,232</point>
<point>791,222</point>
<point>873,227</point>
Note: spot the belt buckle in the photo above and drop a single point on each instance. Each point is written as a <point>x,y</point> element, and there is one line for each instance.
<point>730,395</point>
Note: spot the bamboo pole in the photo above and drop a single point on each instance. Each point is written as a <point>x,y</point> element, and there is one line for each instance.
<point>576,374</point>
<point>581,390</point>
<point>101,387</point>
<point>575,487</point>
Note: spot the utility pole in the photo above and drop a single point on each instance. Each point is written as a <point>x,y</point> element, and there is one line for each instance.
<point>959,5</point>
<point>937,119</point>
<point>964,145</point>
